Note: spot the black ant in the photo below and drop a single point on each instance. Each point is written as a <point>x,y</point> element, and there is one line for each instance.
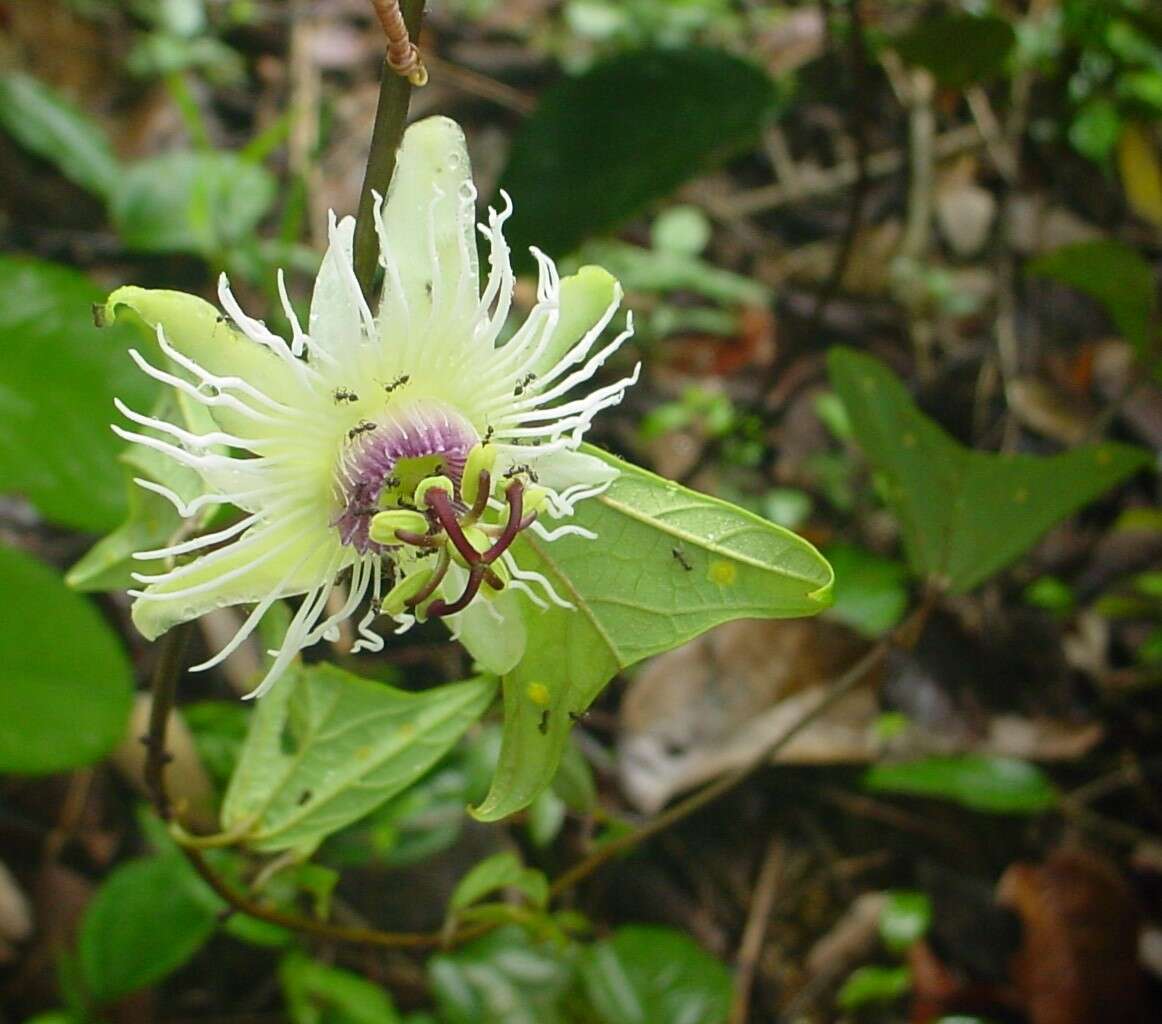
<point>527,470</point>
<point>360,428</point>
<point>578,716</point>
<point>543,725</point>
<point>488,436</point>
<point>523,383</point>
<point>344,395</point>
<point>399,382</point>
<point>680,558</point>
<point>228,321</point>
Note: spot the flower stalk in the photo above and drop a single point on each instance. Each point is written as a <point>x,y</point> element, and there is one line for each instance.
<point>401,70</point>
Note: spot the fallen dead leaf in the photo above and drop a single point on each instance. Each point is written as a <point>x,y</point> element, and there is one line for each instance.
<point>715,703</point>
<point>1078,961</point>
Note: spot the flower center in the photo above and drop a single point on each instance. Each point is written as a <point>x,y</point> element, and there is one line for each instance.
<point>419,483</point>
<point>384,461</point>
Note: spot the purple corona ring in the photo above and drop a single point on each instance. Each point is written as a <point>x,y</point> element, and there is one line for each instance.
<point>383,462</point>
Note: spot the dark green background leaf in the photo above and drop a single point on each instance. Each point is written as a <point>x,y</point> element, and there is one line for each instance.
<point>965,514</point>
<point>1002,785</point>
<point>1111,273</point>
<point>58,376</point>
<point>48,125</point>
<point>147,919</point>
<point>191,202</point>
<point>959,49</point>
<point>650,975</point>
<point>603,145</point>
<point>65,697</point>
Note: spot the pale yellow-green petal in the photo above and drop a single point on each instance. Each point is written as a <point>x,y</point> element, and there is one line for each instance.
<point>283,557</point>
<point>197,330</point>
<point>430,222</point>
<point>586,296</point>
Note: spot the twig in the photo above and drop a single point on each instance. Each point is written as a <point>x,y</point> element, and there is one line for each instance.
<point>395,93</point>
<point>857,126</point>
<point>812,185</point>
<point>755,932</point>
<point>484,86</point>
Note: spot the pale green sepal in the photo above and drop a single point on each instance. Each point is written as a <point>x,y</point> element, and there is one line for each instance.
<point>197,330</point>
<point>294,569</point>
<point>431,210</point>
<point>668,564</point>
<point>586,297</point>
<point>492,631</point>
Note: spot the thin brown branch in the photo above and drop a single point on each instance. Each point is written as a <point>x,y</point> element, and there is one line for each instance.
<point>755,933</point>
<point>857,127</point>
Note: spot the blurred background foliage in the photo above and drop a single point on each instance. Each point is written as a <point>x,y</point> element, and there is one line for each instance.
<point>969,191</point>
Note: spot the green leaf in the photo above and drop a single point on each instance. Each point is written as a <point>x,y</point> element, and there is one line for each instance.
<point>147,919</point>
<point>668,563</point>
<point>1096,129</point>
<point>965,514</point>
<point>905,918</point>
<point>871,984</point>
<point>871,592</point>
<point>58,377</point>
<point>502,870</point>
<point>201,203</point>
<point>1000,785</point>
<point>959,49</point>
<point>327,747</point>
<point>503,978</point>
<point>67,683</point>
<point>651,975</point>
<point>1113,274</point>
<point>47,124</point>
<point>601,146</point>
<point>317,993</point>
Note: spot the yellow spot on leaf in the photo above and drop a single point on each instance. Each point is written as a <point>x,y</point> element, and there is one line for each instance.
<point>538,693</point>
<point>909,440</point>
<point>722,573</point>
<point>1020,496</point>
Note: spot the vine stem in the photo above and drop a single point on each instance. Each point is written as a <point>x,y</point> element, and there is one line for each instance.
<point>395,91</point>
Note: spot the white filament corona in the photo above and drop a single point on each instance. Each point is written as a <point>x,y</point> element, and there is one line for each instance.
<point>304,432</point>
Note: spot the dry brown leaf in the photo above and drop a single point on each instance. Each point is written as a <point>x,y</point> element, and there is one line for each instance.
<point>715,703</point>
<point>1078,961</point>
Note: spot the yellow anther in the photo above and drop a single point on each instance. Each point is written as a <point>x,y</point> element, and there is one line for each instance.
<point>480,458</point>
<point>409,586</point>
<point>384,525</point>
<point>539,694</point>
<point>441,483</point>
